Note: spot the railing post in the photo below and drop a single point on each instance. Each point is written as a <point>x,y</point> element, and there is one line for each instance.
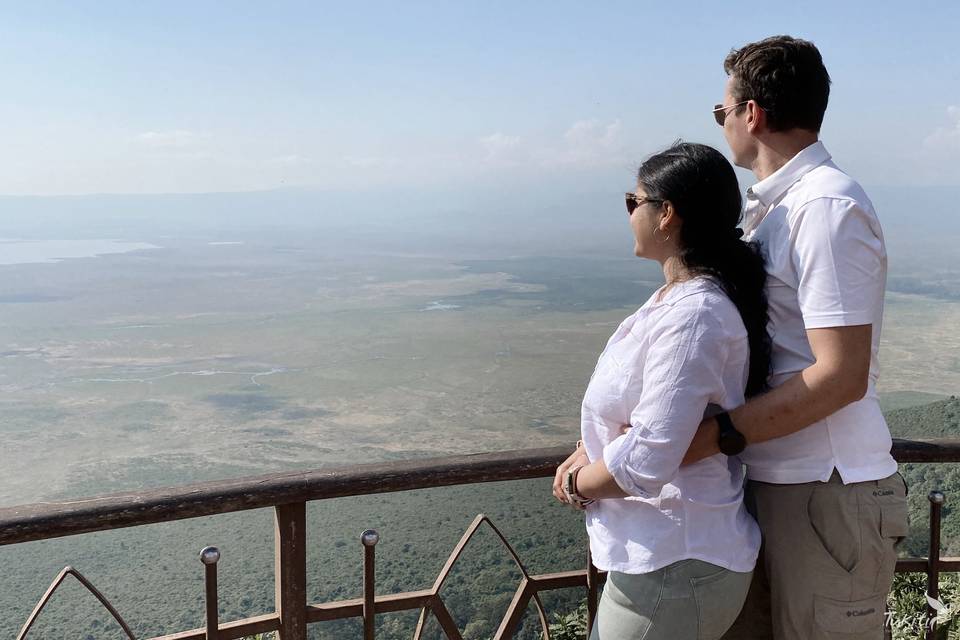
<point>210,556</point>
<point>936,499</point>
<point>369,538</point>
<point>290,570</point>
<point>592,579</point>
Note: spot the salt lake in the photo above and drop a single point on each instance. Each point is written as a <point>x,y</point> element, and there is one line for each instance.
<point>15,251</point>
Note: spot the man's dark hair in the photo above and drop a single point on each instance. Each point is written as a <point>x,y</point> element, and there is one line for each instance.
<point>786,77</point>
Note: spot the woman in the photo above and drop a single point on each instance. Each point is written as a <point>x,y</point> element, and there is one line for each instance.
<point>677,542</point>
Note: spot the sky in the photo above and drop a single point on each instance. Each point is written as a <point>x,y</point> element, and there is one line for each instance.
<point>187,97</point>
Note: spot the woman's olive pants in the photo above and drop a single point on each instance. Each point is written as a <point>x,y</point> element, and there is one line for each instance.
<point>687,600</point>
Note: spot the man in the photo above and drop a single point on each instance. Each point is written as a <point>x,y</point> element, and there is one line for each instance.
<point>821,481</point>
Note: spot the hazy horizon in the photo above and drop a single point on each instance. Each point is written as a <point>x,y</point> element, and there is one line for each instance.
<point>248,238</point>
<point>191,97</point>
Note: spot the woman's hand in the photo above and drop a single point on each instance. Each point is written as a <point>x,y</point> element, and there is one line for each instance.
<point>577,458</point>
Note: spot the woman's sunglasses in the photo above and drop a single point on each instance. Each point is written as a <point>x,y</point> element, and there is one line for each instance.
<point>633,201</point>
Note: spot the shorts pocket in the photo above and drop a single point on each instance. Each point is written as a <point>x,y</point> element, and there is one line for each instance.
<point>834,518</point>
<point>895,520</point>
<point>848,620</point>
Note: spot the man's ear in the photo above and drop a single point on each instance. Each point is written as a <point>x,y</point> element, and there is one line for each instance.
<point>756,118</point>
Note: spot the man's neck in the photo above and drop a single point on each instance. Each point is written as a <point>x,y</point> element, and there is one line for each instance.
<point>777,149</point>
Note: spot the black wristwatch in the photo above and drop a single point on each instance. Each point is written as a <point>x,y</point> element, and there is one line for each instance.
<point>731,441</point>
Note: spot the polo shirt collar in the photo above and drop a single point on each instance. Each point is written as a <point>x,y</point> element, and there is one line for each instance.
<point>769,190</point>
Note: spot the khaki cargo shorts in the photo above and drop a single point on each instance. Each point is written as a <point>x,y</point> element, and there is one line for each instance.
<point>827,560</point>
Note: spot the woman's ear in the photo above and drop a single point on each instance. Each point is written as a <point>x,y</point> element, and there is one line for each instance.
<point>668,216</point>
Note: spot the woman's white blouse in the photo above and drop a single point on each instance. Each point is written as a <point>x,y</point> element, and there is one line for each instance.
<point>658,373</point>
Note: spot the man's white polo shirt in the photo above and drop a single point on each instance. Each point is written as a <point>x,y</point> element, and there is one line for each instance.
<point>827,267</point>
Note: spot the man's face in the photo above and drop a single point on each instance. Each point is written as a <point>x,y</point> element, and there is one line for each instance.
<point>739,139</point>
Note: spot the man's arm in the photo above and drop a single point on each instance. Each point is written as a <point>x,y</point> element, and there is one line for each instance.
<point>837,378</point>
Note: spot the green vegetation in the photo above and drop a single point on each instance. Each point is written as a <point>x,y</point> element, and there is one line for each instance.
<point>189,364</point>
<point>153,576</point>
<point>935,420</point>
<point>418,530</point>
<point>570,626</point>
<point>907,607</point>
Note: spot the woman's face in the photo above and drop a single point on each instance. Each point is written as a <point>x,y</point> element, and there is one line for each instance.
<point>645,221</point>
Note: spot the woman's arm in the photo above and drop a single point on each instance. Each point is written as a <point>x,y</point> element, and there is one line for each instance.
<point>594,481</point>
<point>682,372</point>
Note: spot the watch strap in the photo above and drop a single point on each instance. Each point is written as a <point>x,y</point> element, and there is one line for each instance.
<point>726,424</point>
<point>730,440</point>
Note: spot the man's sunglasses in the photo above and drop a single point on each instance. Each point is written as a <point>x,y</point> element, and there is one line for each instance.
<point>721,112</point>
<point>633,201</point>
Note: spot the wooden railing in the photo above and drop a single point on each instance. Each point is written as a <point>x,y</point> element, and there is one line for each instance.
<point>288,494</point>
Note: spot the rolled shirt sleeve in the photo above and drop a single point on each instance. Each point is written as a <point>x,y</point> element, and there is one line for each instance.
<point>840,261</point>
<point>682,374</point>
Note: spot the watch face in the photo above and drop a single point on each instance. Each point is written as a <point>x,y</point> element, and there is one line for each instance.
<point>732,443</point>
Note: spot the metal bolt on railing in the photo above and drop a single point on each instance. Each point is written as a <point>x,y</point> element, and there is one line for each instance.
<point>369,538</point>
<point>210,556</point>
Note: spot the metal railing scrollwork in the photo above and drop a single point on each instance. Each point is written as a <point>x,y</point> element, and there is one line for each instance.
<point>288,494</point>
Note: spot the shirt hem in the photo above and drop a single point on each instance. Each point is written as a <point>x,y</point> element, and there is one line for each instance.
<point>827,320</point>
<point>621,567</point>
<point>801,476</point>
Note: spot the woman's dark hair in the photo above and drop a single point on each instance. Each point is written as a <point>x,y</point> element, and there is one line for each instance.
<point>702,187</point>
<point>786,77</point>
